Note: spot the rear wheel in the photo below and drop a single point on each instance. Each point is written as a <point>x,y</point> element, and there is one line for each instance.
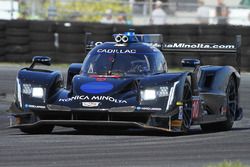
<point>232,104</point>
<point>38,130</point>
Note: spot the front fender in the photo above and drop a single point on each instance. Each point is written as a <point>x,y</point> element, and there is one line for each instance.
<point>50,81</point>
<point>175,83</point>
<point>215,78</point>
<point>213,84</point>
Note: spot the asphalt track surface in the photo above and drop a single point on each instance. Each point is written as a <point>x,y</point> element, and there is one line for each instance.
<point>67,148</point>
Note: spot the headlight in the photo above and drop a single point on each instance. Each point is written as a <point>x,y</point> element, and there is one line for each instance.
<point>37,92</point>
<point>148,94</point>
<point>151,94</point>
<point>163,91</point>
<point>27,89</point>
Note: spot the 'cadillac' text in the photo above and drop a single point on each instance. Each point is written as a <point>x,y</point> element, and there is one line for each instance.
<point>116,51</point>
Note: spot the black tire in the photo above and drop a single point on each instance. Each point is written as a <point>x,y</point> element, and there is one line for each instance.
<point>72,38</point>
<point>187,107</point>
<point>101,32</point>
<point>2,51</point>
<point>43,46</point>
<point>73,28</point>
<point>18,48</point>
<point>101,38</point>
<point>63,57</point>
<point>17,40</point>
<point>232,104</point>
<point>2,34</point>
<point>154,30</point>
<point>42,37</point>
<point>42,26</point>
<point>71,48</point>
<point>17,32</point>
<point>2,42</point>
<point>15,57</point>
<point>44,53</point>
<point>182,30</point>
<point>215,30</point>
<point>234,30</point>
<point>2,25</point>
<point>123,28</point>
<point>17,24</point>
<point>38,130</point>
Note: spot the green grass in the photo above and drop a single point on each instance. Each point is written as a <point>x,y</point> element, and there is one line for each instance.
<point>228,164</point>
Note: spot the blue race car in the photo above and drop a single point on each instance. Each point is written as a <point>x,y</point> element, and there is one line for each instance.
<point>126,84</point>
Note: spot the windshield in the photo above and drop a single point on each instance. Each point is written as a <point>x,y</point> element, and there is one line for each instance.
<point>122,64</point>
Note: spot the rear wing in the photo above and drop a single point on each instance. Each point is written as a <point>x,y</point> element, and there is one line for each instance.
<point>233,49</point>
<point>156,40</point>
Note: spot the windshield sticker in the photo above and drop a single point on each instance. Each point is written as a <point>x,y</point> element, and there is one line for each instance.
<point>116,51</point>
<point>34,106</point>
<point>94,98</point>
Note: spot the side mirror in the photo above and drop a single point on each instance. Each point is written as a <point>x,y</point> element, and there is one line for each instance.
<point>44,60</point>
<point>190,63</point>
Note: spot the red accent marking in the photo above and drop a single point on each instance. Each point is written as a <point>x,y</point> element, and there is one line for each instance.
<point>101,79</point>
<point>104,77</point>
<point>195,108</point>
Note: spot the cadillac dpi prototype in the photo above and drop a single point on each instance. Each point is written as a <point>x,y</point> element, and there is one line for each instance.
<point>126,84</point>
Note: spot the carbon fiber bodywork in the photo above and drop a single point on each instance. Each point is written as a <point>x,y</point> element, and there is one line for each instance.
<point>120,100</point>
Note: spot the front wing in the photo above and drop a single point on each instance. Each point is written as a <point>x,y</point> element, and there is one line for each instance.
<point>103,118</point>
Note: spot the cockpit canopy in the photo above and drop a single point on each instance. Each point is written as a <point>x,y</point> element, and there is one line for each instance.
<point>130,54</point>
<point>134,59</point>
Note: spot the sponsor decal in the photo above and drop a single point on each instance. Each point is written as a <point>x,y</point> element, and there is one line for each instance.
<point>94,98</point>
<point>96,87</point>
<point>34,106</point>
<point>195,107</point>
<point>121,51</point>
<point>198,46</point>
<point>180,116</point>
<point>90,104</point>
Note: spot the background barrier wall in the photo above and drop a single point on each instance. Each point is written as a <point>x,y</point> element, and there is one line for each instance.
<point>20,40</point>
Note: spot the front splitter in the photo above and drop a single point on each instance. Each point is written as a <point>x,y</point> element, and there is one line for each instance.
<point>72,123</point>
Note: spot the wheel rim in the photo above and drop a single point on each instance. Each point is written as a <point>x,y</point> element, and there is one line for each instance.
<point>232,99</point>
<point>187,106</point>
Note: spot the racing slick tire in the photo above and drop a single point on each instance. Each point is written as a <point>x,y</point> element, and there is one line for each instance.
<point>41,37</point>
<point>2,42</point>
<point>42,26</point>
<point>16,32</point>
<point>38,130</point>
<point>72,38</point>
<point>16,40</point>
<point>232,105</point>
<point>187,107</point>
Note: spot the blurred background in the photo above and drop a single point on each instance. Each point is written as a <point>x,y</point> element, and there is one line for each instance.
<point>135,12</point>
<point>57,28</point>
